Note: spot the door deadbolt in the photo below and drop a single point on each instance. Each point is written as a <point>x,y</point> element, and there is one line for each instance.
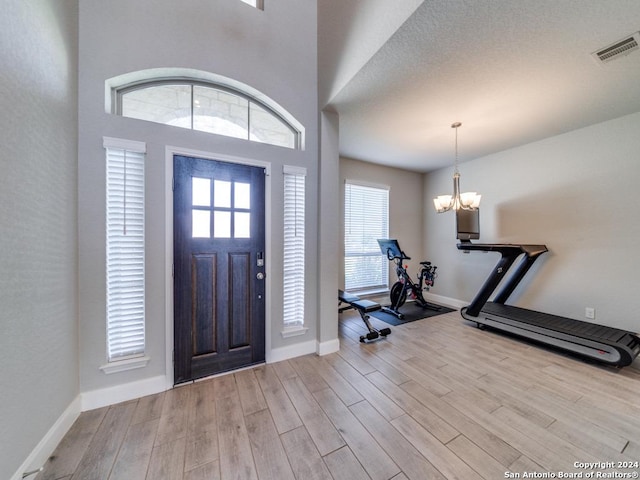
<point>260,276</point>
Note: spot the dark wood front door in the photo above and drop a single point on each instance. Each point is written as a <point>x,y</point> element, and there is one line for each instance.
<point>219,285</point>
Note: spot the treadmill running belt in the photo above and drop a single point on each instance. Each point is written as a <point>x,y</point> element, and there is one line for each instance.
<point>604,344</point>
<point>578,328</point>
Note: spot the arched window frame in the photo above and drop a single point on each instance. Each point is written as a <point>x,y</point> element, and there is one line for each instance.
<point>117,89</point>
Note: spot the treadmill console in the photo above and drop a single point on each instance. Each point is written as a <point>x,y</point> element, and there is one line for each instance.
<point>503,248</point>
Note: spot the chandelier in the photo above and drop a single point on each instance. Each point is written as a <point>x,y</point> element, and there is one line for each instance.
<point>466,200</point>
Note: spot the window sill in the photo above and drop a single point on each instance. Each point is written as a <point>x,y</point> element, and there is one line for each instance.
<point>124,365</point>
<point>293,331</point>
<point>370,293</point>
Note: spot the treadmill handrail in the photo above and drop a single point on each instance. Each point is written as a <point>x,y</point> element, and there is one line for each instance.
<point>509,253</point>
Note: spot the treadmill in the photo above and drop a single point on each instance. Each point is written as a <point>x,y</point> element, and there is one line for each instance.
<point>604,344</point>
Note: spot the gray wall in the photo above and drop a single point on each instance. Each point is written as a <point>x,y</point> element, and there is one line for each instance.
<point>574,193</point>
<point>38,214</point>
<point>273,51</point>
<point>406,208</point>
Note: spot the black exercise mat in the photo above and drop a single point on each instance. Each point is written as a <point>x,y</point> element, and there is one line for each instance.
<point>412,312</point>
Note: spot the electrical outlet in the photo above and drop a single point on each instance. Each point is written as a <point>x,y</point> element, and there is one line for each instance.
<point>590,312</point>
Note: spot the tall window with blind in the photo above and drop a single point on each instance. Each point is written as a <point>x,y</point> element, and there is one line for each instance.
<point>366,218</point>
<point>294,206</point>
<point>125,250</point>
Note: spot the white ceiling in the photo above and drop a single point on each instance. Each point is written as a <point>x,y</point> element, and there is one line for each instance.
<point>512,71</point>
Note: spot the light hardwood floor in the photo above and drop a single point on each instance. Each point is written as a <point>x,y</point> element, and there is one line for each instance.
<point>437,399</point>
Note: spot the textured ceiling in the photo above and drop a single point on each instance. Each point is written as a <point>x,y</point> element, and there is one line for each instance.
<point>512,71</point>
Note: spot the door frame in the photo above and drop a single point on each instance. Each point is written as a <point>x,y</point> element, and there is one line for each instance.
<point>170,151</point>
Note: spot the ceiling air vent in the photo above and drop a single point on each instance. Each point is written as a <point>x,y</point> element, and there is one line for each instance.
<point>618,49</point>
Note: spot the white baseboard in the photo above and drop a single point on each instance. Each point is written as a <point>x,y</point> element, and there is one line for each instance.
<point>122,393</point>
<point>130,391</point>
<point>38,457</point>
<point>446,301</point>
<point>325,348</point>
<point>292,351</point>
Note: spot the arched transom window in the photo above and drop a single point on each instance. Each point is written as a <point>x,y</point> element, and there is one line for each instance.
<point>206,107</point>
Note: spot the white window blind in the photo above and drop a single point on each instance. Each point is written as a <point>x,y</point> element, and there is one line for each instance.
<point>125,250</point>
<point>366,218</point>
<point>294,204</point>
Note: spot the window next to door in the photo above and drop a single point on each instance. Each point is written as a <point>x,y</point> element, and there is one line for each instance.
<point>294,251</point>
<point>125,255</point>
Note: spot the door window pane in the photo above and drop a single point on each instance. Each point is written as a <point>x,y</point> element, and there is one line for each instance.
<point>221,194</point>
<point>242,225</point>
<point>242,195</point>
<point>201,224</point>
<point>201,192</point>
<point>222,224</point>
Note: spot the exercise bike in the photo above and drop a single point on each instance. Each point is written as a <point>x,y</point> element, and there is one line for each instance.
<point>405,286</point>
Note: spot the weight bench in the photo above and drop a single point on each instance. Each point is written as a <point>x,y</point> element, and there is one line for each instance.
<point>364,307</point>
